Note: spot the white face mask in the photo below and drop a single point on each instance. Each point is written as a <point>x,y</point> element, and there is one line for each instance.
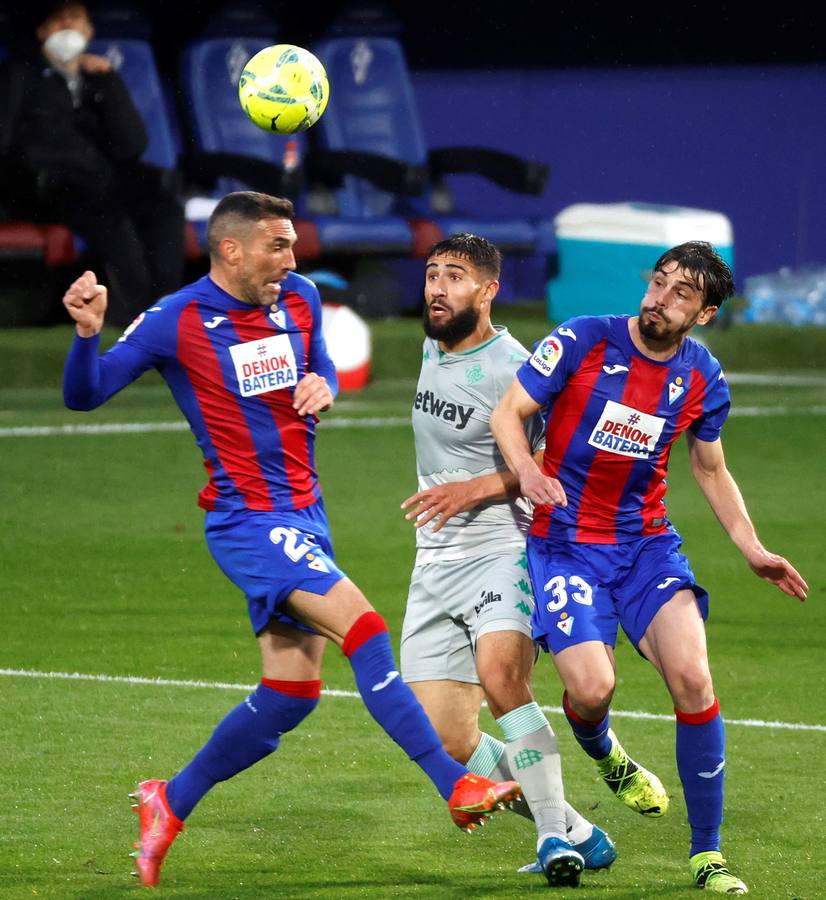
<point>65,45</point>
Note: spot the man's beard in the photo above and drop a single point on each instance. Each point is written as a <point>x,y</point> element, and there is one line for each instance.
<point>455,329</point>
<point>650,329</point>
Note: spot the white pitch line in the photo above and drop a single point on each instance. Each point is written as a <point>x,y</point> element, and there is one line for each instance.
<point>757,378</point>
<point>777,410</point>
<point>329,692</point>
<point>348,422</point>
<point>153,427</point>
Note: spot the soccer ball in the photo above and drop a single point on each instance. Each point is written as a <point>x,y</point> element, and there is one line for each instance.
<point>284,89</point>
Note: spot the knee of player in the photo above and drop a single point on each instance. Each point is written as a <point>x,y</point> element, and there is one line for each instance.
<point>506,686</point>
<point>366,626</point>
<point>691,685</point>
<point>592,694</point>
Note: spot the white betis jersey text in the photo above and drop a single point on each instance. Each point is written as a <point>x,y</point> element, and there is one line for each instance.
<point>454,398</point>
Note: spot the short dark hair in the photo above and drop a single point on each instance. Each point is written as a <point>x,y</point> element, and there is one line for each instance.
<point>477,250</point>
<point>705,266</point>
<point>42,12</point>
<point>237,212</point>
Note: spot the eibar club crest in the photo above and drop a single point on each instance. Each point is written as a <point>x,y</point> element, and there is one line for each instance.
<point>565,624</point>
<point>676,389</point>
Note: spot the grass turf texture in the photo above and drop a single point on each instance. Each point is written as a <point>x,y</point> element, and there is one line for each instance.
<point>104,570</point>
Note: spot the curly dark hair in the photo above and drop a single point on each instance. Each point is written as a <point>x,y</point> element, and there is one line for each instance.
<point>477,250</point>
<point>706,268</point>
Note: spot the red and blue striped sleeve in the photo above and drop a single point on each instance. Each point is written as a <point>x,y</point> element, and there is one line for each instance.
<point>716,404</point>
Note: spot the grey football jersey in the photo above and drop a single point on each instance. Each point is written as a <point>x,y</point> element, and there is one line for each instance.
<point>455,396</point>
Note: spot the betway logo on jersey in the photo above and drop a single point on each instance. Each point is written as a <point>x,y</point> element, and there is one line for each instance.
<point>428,402</point>
<point>626,431</point>
<point>265,365</point>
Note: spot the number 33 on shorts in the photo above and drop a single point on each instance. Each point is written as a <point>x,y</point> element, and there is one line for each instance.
<point>298,547</point>
<point>561,589</point>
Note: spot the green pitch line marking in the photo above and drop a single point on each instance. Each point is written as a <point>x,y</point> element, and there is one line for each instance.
<point>229,686</point>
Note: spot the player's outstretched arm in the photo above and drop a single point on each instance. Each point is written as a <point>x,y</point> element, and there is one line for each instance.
<point>708,466</point>
<point>85,302</point>
<point>89,380</point>
<point>506,423</point>
<point>442,501</point>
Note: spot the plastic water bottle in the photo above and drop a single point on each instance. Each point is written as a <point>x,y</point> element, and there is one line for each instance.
<point>791,296</point>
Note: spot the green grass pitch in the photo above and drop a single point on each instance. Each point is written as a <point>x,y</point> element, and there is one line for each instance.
<point>103,570</point>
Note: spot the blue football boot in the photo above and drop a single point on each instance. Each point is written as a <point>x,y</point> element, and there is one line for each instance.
<point>561,864</point>
<point>598,851</point>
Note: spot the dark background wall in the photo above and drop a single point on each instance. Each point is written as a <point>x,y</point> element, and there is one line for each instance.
<point>748,141</point>
<point>720,106</point>
<point>441,34</point>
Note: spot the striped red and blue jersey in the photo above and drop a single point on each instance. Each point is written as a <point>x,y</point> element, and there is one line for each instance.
<point>232,368</point>
<point>612,417</point>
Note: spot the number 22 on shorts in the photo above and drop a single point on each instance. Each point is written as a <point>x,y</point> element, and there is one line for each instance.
<point>295,550</point>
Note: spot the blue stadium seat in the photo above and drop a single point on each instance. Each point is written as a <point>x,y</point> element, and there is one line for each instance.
<point>209,75</point>
<point>373,109</point>
<point>134,60</point>
<point>229,152</point>
<point>230,145</point>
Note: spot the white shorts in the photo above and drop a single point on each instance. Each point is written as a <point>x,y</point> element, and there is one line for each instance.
<point>451,604</point>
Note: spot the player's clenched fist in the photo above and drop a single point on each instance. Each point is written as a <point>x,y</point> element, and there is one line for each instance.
<point>312,395</point>
<point>86,302</point>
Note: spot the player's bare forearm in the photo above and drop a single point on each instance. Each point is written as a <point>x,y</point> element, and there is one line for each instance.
<point>509,432</point>
<point>442,501</point>
<point>708,466</point>
<point>727,503</point>
<point>506,424</point>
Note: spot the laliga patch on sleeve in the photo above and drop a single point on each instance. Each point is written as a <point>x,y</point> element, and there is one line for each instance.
<point>132,326</point>
<point>547,355</point>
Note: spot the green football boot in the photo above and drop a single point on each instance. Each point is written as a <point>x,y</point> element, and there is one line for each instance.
<point>638,788</point>
<point>709,872</point>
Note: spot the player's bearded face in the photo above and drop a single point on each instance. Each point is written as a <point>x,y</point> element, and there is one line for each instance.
<point>672,305</point>
<point>450,327</point>
<point>267,260</point>
<point>452,290</point>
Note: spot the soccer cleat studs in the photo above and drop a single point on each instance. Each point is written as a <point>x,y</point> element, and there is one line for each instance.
<point>635,786</point>
<point>475,798</point>
<point>159,827</point>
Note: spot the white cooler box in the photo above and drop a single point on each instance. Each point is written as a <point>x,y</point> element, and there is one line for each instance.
<point>607,253</point>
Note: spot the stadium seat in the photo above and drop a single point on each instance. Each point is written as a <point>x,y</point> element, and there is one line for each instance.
<point>54,245</point>
<point>134,60</point>
<point>373,109</point>
<point>228,146</point>
<point>229,153</point>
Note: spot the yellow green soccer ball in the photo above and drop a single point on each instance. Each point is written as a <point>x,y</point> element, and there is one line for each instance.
<point>284,89</point>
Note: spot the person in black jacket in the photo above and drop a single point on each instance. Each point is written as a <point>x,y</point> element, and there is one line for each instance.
<point>71,141</point>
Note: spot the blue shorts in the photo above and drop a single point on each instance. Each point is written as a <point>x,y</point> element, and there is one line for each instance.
<point>584,591</point>
<point>270,554</point>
